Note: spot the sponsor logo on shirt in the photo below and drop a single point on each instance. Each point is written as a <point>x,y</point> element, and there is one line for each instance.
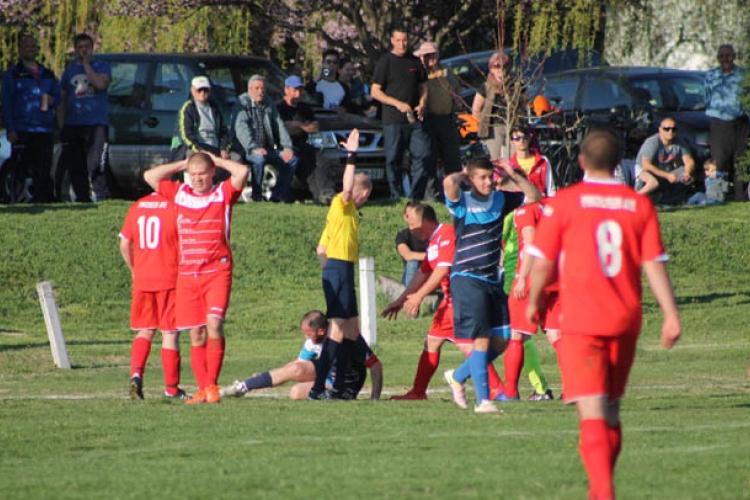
<point>608,202</point>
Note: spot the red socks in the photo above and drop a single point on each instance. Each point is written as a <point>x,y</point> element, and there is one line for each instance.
<point>214,359</point>
<point>138,355</point>
<point>198,363</point>
<point>428,364</point>
<point>495,383</point>
<point>615,442</point>
<point>596,452</point>
<point>513,363</point>
<point>170,362</point>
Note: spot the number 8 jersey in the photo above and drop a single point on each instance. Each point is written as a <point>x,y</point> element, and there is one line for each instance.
<point>152,229</point>
<point>599,232</point>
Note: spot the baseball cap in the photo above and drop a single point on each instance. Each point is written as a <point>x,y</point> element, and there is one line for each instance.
<point>426,48</point>
<point>201,82</point>
<point>293,81</point>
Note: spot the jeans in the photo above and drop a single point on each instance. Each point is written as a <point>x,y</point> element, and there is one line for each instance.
<point>397,138</point>
<point>32,157</point>
<point>86,156</point>
<point>410,269</point>
<point>284,178</point>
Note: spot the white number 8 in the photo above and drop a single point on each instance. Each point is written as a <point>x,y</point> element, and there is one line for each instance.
<point>609,244</point>
<point>149,229</point>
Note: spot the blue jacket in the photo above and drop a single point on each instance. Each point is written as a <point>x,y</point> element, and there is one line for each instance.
<point>22,96</point>
<point>244,138</point>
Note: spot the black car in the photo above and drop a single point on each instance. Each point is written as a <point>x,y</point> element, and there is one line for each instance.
<point>643,92</point>
<point>147,90</point>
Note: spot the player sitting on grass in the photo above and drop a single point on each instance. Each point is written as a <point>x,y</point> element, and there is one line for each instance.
<point>302,370</point>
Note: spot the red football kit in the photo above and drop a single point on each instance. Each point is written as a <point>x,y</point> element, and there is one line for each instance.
<point>439,253</point>
<point>599,232</point>
<point>150,228</point>
<point>528,216</point>
<point>205,264</point>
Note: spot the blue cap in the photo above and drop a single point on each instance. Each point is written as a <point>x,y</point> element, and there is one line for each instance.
<point>293,81</point>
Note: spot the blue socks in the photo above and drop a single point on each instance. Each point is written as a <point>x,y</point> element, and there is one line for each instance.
<point>259,381</point>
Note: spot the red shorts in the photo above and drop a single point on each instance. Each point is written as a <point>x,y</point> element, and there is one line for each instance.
<point>442,324</point>
<point>202,295</point>
<point>550,316</point>
<point>152,310</point>
<point>595,365</point>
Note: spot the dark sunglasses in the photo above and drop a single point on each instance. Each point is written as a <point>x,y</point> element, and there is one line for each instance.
<point>331,61</point>
<point>669,129</point>
<point>519,137</point>
<point>203,90</point>
<point>497,66</point>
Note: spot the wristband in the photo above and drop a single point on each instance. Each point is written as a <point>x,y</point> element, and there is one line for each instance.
<point>351,155</point>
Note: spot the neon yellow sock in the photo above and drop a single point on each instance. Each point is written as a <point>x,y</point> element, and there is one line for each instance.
<point>532,366</point>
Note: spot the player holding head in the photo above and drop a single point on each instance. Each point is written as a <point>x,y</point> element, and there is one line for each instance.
<point>607,232</point>
<point>314,326</point>
<point>204,280</point>
<point>480,305</point>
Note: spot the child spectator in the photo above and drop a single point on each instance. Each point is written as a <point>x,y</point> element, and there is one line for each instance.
<point>717,186</point>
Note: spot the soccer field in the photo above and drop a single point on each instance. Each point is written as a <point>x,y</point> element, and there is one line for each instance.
<point>75,434</point>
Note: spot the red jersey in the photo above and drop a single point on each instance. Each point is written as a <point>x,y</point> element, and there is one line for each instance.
<point>440,250</point>
<point>203,225</point>
<point>150,226</point>
<point>600,233</point>
<point>525,216</point>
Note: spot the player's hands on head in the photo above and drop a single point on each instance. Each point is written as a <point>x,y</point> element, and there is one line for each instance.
<point>352,142</point>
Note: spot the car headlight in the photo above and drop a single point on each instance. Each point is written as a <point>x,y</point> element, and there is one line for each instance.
<point>323,140</point>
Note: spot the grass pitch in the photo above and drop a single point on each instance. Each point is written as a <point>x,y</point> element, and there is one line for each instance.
<point>74,434</point>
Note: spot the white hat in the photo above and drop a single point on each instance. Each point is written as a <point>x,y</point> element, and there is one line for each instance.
<point>426,48</point>
<point>201,82</point>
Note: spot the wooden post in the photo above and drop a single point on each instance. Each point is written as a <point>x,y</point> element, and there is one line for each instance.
<point>368,313</point>
<point>52,320</point>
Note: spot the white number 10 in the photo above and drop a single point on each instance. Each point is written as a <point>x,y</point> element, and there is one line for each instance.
<point>609,243</point>
<point>148,230</point>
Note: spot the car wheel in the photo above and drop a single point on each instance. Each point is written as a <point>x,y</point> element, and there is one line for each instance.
<point>270,178</point>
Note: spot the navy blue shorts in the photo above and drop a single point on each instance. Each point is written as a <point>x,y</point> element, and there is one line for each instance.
<point>480,308</point>
<point>338,287</point>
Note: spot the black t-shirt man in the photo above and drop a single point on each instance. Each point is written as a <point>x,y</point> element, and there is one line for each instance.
<point>303,113</point>
<point>399,77</point>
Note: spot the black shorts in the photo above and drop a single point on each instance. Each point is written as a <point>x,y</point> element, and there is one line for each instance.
<point>480,308</point>
<point>338,287</point>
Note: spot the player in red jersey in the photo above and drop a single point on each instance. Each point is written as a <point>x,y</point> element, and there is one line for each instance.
<point>433,273</point>
<point>525,219</point>
<point>148,244</point>
<point>597,235</point>
<point>204,279</point>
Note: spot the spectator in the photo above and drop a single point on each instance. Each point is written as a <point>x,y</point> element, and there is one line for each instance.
<point>729,122</point>
<point>337,251</point>
<point>84,116</point>
<point>530,160</point>
<point>716,186</point>
<point>299,120</point>
<point>440,117</point>
<point>492,103</point>
<point>409,246</point>
<point>150,252</point>
<point>30,93</point>
<point>399,84</point>
<point>260,137</point>
<point>335,95</point>
<point>199,125</point>
<point>204,279</point>
<point>664,165</point>
<point>607,233</point>
<point>302,370</point>
<point>359,98</point>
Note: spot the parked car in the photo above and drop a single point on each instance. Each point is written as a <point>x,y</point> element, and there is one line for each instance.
<point>651,93</point>
<point>147,90</point>
<point>471,69</point>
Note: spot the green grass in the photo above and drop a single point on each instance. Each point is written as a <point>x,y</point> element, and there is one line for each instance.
<point>74,434</point>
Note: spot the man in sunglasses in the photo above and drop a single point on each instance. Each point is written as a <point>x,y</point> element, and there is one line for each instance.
<point>665,166</point>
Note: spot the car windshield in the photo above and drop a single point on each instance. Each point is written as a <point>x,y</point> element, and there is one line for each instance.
<point>672,92</point>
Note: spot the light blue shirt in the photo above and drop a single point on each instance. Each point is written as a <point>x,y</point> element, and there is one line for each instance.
<point>723,93</point>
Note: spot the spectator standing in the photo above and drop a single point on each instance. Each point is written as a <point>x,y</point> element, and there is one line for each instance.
<point>148,244</point>
<point>440,110</point>
<point>359,98</point>
<point>302,370</point>
<point>337,251</point>
<point>664,165</point>
<point>260,136</point>
<point>30,94</point>
<point>491,105</point>
<point>335,95</point>
<point>729,121</point>
<point>600,293</point>
<point>531,161</point>
<point>480,305</point>
<point>409,246</point>
<point>199,125</point>
<point>204,279</point>
<point>84,116</point>
<point>399,84</point>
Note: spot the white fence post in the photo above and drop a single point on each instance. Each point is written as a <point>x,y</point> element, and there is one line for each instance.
<point>52,320</point>
<point>368,313</point>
